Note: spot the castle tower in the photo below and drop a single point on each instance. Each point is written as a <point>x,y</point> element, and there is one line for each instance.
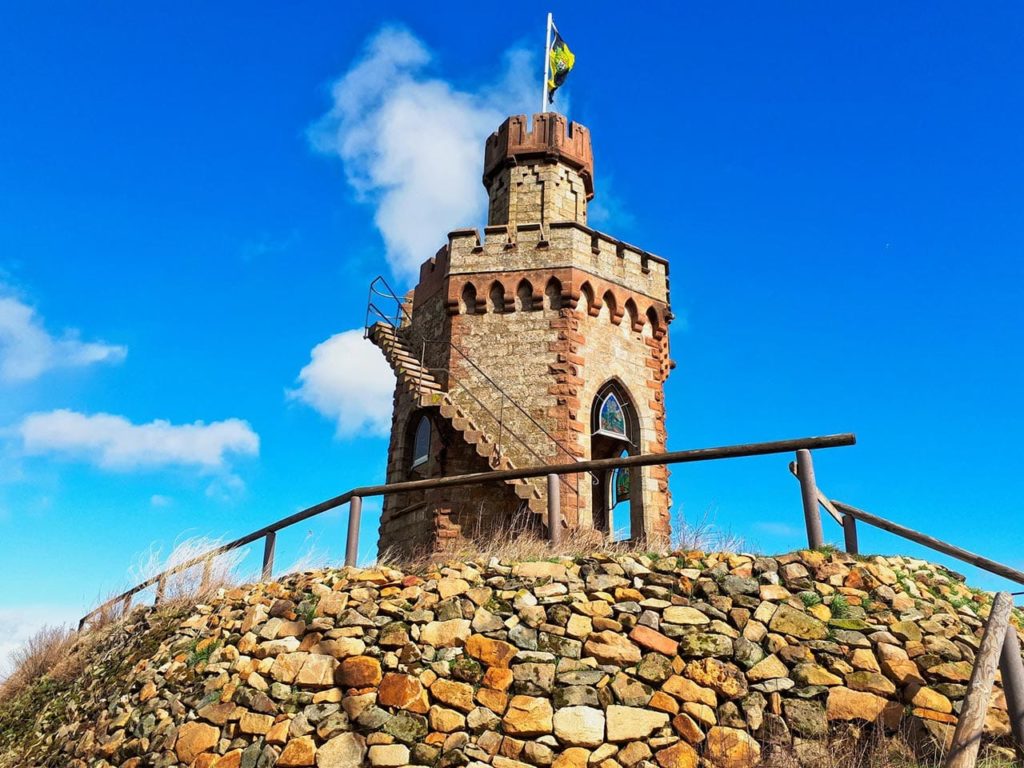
<point>544,342</point>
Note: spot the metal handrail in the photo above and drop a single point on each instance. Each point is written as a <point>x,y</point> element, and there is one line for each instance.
<point>379,286</point>
<point>355,496</point>
<point>395,322</point>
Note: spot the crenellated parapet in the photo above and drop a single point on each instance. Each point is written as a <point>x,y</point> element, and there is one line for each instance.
<point>551,139</point>
<point>539,175</point>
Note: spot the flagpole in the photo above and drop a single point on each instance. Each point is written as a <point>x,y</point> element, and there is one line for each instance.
<point>547,64</point>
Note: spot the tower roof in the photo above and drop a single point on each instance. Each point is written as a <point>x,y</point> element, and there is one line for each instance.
<point>552,139</point>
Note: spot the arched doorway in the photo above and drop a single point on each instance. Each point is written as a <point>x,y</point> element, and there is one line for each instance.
<point>614,432</point>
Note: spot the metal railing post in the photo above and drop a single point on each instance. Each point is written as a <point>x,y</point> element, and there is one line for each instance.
<point>554,511</point>
<point>1012,667</point>
<point>355,511</point>
<point>809,495</point>
<point>269,545</point>
<point>963,752</point>
<point>850,534</point>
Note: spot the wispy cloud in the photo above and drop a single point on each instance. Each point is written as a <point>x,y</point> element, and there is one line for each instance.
<point>113,442</point>
<point>28,350</point>
<point>412,143</point>
<point>348,381</point>
<point>158,500</point>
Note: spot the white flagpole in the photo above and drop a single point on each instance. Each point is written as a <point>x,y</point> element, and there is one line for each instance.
<point>547,64</point>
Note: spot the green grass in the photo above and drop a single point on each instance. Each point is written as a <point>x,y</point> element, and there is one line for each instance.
<point>809,598</point>
<point>196,656</point>
<point>840,607</point>
<point>307,609</point>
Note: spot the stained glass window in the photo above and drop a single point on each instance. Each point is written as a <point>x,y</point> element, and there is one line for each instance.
<point>621,484</point>
<point>611,420</point>
<point>421,442</point>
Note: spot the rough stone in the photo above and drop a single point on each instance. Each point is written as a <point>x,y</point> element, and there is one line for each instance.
<point>579,726</point>
<point>528,716</point>
<point>731,748</point>
<point>631,723</point>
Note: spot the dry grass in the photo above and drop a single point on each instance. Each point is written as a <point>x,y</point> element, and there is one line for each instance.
<point>43,652</point>
<point>197,581</point>
<point>524,540</point>
<point>872,747</point>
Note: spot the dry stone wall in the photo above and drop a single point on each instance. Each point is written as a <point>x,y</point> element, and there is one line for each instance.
<point>630,661</point>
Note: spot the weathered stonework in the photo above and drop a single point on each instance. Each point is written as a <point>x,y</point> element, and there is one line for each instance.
<point>522,330</point>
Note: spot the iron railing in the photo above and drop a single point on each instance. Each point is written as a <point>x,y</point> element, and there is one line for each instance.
<point>355,496</point>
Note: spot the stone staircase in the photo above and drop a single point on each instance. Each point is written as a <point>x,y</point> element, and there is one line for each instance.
<point>457,410</point>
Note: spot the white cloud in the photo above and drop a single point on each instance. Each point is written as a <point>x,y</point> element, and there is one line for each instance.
<point>159,500</point>
<point>28,350</point>
<point>347,380</point>
<point>113,442</point>
<point>413,144</point>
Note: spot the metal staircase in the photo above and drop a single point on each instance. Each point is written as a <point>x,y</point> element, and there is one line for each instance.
<point>419,381</point>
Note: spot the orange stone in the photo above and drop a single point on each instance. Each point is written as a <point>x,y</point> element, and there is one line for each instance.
<point>493,653</point>
<point>662,702</point>
<point>679,755</point>
<point>496,701</point>
<point>232,759</point>
<point>498,678</point>
<point>731,748</point>
<point>456,695</point>
<point>194,739</point>
<point>687,727</point>
<point>279,733</point>
<point>148,692</point>
<point>397,690</point>
<point>930,714</point>
<point>298,753</point>
<point>360,672</point>
<point>845,704</point>
<point>652,640</point>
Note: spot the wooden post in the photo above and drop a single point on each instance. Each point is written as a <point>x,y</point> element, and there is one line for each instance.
<point>355,511</point>
<point>1012,667</point>
<point>161,588</point>
<point>554,511</point>
<point>126,605</point>
<point>967,737</point>
<point>850,534</point>
<point>809,495</point>
<point>269,545</point>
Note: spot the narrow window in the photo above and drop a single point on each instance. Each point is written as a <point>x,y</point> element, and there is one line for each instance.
<point>611,420</point>
<point>622,483</point>
<point>421,442</point>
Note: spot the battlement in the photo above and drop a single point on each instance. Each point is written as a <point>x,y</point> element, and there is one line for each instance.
<point>552,139</point>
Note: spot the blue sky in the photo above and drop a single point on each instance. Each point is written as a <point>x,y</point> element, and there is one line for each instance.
<point>193,200</point>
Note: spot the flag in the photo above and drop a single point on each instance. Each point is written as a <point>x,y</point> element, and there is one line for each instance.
<point>560,63</point>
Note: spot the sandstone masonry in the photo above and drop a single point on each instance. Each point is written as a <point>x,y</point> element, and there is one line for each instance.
<point>526,331</point>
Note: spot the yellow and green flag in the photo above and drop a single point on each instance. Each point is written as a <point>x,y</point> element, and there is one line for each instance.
<point>560,63</point>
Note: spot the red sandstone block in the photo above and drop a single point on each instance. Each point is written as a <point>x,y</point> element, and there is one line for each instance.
<point>653,640</point>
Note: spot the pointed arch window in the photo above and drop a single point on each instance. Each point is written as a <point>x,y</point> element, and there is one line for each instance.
<point>421,442</point>
<point>611,420</point>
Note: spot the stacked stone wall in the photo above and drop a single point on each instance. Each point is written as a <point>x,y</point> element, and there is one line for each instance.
<point>627,661</point>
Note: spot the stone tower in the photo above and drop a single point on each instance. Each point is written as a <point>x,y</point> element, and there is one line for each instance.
<point>543,342</point>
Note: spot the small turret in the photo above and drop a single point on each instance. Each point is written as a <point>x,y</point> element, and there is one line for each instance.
<point>542,175</point>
